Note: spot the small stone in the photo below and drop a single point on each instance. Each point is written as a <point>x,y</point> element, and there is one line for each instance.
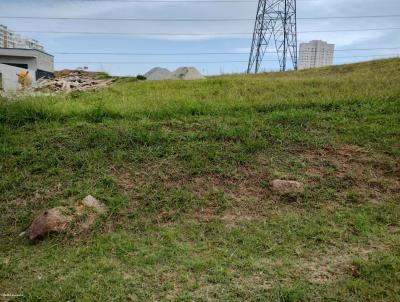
<point>287,186</point>
<point>93,203</point>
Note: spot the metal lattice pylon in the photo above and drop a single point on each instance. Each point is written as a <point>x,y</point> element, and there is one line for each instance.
<point>276,22</point>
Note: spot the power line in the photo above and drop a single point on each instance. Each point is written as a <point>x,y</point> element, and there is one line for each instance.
<point>348,30</point>
<point>196,34</point>
<point>204,53</point>
<point>187,20</point>
<point>348,17</point>
<point>201,62</point>
<point>168,1</point>
<point>181,1</point>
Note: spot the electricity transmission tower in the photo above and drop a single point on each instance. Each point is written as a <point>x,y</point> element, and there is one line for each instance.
<point>276,23</point>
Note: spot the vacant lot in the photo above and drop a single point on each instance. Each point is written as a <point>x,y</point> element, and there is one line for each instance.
<point>184,168</point>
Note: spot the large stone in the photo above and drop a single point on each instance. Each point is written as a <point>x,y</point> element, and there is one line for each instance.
<point>79,218</point>
<point>287,186</point>
<point>53,220</point>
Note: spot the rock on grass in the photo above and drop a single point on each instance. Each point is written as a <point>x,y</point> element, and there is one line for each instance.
<point>287,186</point>
<point>60,219</point>
<point>53,220</point>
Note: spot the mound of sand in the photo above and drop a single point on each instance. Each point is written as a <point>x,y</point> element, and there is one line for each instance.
<point>182,73</point>
<point>157,74</point>
<point>186,73</point>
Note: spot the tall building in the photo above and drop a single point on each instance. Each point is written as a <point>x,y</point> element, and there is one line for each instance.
<point>316,54</point>
<point>26,43</point>
<point>8,39</point>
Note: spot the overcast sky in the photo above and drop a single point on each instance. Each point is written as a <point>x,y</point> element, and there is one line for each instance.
<point>56,43</point>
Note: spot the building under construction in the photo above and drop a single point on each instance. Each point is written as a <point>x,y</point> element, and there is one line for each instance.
<point>21,56</point>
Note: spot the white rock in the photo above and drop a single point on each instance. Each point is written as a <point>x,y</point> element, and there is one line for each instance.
<point>287,186</point>
<point>92,202</point>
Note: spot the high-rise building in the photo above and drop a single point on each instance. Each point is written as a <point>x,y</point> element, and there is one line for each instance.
<point>8,39</point>
<point>26,43</point>
<point>316,54</point>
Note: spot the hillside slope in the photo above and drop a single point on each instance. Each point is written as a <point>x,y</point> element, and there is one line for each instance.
<point>185,167</point>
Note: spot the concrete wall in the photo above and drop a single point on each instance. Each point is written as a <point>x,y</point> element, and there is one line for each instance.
<point>34,58</point>
<point>31,62</point>
<point>9,78</point>
<point>45,61</point>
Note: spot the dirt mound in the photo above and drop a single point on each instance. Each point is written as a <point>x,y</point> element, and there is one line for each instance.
<point>186,73</point>
<point>182,73</point>
<point>157,74</point>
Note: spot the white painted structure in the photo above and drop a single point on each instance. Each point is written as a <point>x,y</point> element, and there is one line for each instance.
<point>27,58</point>
<point>9,78</point>
<point>14,60</point>
<point>316,54</point>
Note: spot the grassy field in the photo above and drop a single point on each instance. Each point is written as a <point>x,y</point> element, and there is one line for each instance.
<point>184,168</point>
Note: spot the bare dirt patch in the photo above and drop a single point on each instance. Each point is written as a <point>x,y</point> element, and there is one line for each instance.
<point>353,169</point>
<point>244,190</point>
<point>350,172</point>
<point>335,264</point>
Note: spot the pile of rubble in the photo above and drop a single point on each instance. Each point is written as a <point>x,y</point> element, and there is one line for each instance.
<point>73,80</point>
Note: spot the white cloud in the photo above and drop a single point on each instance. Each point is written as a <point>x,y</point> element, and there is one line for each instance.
<point>120,9</point>
<point>210,43</point>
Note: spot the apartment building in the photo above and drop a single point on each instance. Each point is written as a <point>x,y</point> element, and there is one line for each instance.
<point>8,39</point>
<point>316,54</point>
<point>26,43</point>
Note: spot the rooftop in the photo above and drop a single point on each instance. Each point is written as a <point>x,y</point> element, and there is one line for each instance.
<point>26,50</point>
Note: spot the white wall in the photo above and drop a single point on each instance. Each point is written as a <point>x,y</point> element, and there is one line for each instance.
<point>9,77</point>
<point>31,62</point>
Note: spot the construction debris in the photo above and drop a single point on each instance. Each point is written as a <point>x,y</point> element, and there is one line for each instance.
<point>73,80</point>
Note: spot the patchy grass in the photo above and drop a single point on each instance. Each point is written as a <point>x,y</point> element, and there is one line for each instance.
<point>184,168</point>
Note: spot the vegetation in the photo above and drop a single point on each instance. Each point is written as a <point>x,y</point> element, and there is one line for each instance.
<point>184,168</point>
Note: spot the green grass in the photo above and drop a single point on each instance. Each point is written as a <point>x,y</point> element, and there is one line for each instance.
<point>184,168</point>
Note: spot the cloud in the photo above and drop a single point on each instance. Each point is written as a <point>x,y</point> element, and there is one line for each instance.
<point>121,9</point>
<point>226,42</point>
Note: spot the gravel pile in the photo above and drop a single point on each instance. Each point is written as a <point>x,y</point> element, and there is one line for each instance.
<point>157,74</point>
<point>182,73</point>
<point>187,74</point>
